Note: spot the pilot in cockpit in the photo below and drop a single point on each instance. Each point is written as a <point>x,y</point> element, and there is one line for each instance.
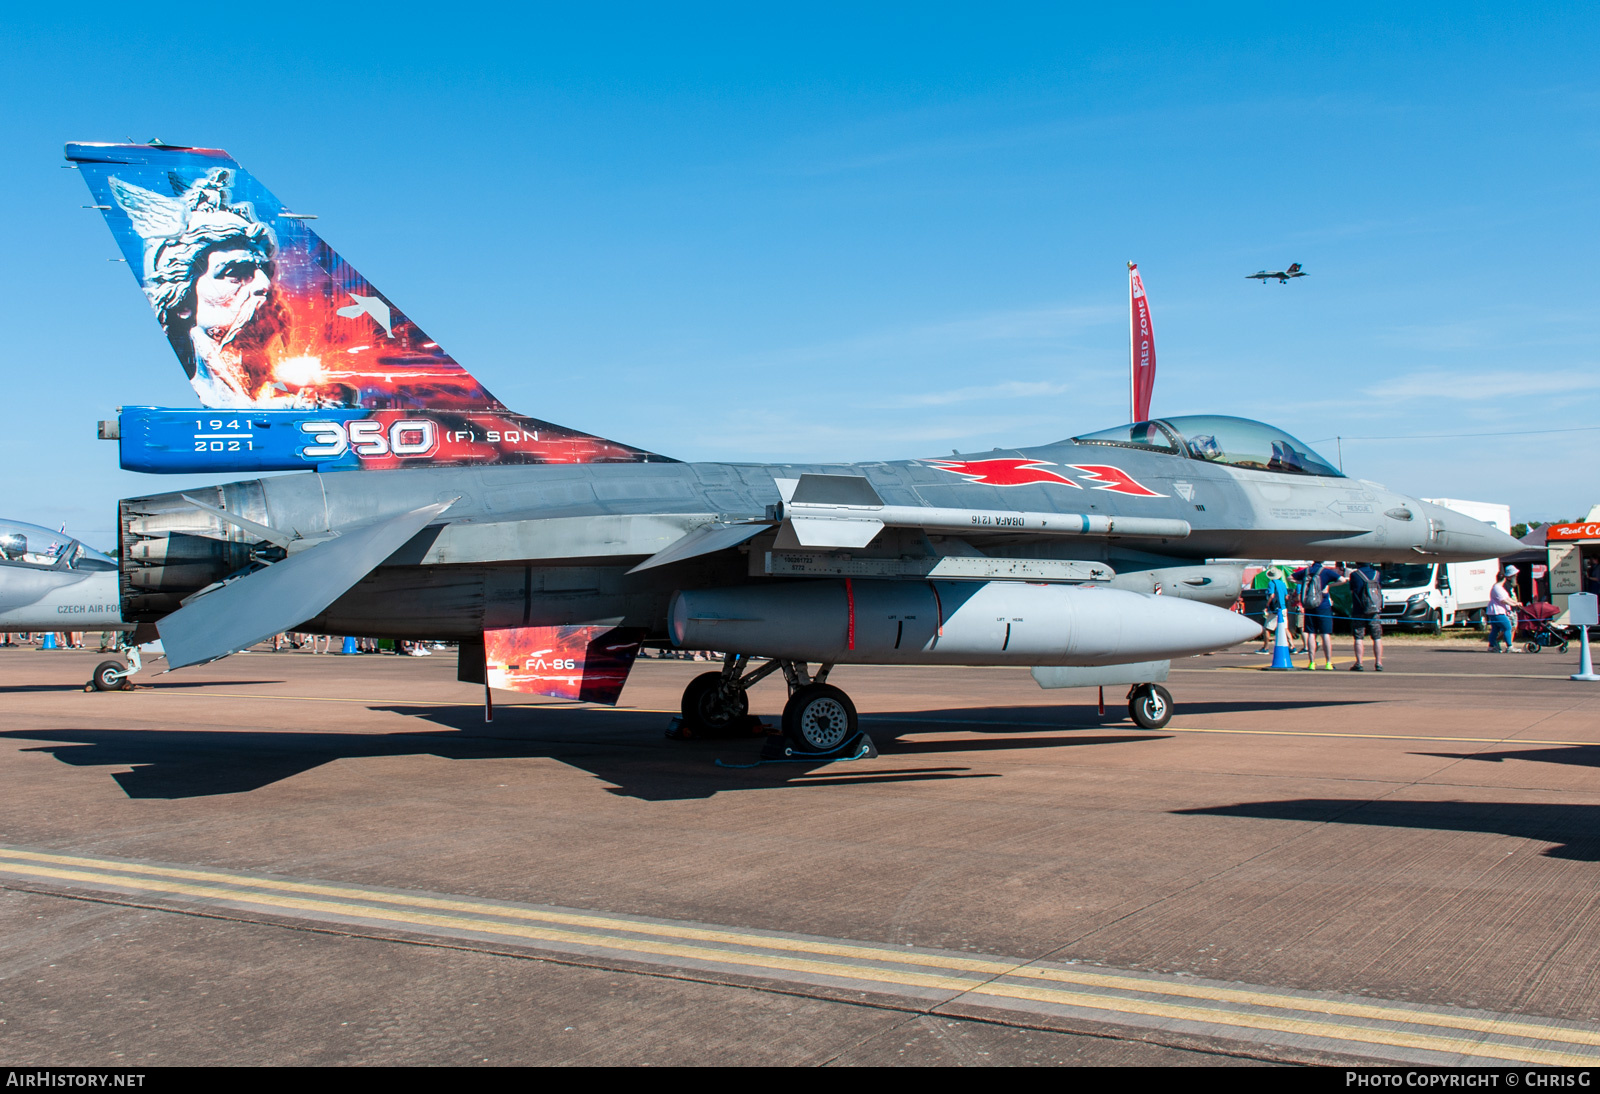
<point>1205,446</point>
<point>13,545</point>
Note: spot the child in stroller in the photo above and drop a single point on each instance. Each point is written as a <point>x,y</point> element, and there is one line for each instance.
<point>1536,630</point>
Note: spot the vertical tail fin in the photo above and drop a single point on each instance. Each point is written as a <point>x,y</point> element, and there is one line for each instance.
<point>260,311</point>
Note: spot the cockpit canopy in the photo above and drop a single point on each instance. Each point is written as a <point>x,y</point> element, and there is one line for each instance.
<point>29,545</point>
<point>1217,438</point>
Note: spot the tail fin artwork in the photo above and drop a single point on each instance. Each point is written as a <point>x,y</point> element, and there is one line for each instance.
<point>266,317</point>
<point>260,311</point>
<point>1294,269</point>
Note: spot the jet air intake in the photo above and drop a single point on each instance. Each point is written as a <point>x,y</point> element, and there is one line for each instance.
<point>951,623</point>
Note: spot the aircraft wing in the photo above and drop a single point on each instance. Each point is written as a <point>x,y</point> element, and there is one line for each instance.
<point>255,607</point>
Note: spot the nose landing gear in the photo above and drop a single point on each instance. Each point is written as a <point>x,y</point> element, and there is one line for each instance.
<point>114,675</point>
<point>1150,706</point>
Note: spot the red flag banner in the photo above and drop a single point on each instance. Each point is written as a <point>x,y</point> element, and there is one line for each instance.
<point>1143,343</point>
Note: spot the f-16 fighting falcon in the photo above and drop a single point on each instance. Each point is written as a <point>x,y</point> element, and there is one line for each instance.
<point>1283,276</point>
<point>553,555</point>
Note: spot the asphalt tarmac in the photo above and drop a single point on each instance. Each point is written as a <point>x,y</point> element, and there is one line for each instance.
<point>296,859</point>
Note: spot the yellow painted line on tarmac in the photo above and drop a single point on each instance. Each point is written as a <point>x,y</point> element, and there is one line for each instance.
<point>1252,998</point>
<point>673,930</point>
<point>945,971</point>
<point>913,720</point>
<point>484,926</point>
<point>1393,672</point>
<point>557,704</point>
<point>1307,1027</point>
<point>1381,737</point>
<point>190,693</point>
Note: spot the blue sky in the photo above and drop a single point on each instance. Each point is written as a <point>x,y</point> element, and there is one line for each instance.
<point>830,235</point>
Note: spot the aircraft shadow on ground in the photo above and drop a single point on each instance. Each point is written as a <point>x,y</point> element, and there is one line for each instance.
<point>1581,755</point>
<point>624,748</point>
<point>1574,830</point>
<point>8,688</point>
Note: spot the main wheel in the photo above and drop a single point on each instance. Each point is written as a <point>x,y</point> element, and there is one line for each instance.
<point>110,676</point>
<point>1437,624</point>
<point>1150,706</point>
<point>1532,646</point>
<point>819,718</point>
<point>1563,646</point>
<point>708,707</point>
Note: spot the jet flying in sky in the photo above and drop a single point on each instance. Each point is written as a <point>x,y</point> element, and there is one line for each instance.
<point>1283,276</point>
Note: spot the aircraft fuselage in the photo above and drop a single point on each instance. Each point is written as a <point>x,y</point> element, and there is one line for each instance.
<point>553,544</point>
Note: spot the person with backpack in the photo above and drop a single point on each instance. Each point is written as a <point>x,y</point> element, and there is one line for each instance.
<point>1366,608</point>
<point>1320,578</point>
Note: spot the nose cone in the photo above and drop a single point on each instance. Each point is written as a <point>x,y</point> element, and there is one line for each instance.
<point>1218,628</point>
<point>1456,537</point>
<point>1187,627</point>
<point>1116,627</point>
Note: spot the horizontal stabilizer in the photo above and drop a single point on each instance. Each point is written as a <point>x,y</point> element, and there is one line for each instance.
<point>285,594</point>
<point>705,540</point>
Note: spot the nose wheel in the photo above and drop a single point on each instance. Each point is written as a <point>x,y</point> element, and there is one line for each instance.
<point>114,675</point>
<point>110,676</point>
<point>1150,706</point>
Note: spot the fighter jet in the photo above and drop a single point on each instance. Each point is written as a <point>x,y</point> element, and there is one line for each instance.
<point>552,555</point>
<point>1283,276</point>
<point>51,582</point>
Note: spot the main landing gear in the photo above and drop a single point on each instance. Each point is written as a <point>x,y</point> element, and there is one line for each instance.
<point>818,717</point>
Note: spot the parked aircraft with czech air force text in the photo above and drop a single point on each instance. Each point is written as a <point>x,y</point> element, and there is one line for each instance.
<point>553,555</point>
